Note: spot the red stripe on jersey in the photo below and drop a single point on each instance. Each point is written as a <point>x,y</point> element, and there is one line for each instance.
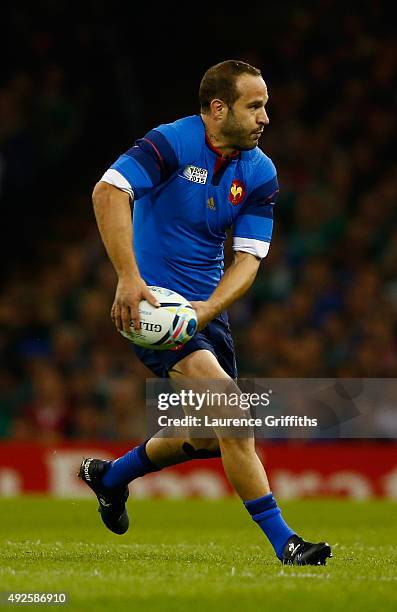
<point>156,149</point>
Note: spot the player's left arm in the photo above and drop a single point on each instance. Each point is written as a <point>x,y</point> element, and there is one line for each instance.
<point>237,279</point>
<point>252,234</point>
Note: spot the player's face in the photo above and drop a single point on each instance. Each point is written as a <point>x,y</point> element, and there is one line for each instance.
<point>246,119</point>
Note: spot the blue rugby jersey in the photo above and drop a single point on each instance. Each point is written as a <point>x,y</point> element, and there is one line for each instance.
<point>186,197</point>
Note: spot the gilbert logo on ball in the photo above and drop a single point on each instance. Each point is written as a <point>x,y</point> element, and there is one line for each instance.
<point>167,327</point>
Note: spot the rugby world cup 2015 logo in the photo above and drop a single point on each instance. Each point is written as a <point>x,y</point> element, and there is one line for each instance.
<point>237,192</point>
<point>195,174</point>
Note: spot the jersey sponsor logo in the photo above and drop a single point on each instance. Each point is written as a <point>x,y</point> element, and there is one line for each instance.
<point>237,192</point>
<point>195,174</point>
<point>211,204</point>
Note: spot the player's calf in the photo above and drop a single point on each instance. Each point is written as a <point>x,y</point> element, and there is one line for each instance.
<point>247,474</point>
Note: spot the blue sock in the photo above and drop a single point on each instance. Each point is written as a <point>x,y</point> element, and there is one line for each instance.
<point>128,467</point>
<point>267,514</point>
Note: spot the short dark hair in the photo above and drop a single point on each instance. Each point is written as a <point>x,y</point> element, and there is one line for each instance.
<point>220,82</point>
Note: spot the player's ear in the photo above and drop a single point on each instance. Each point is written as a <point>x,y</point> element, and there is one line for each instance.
<point>217,108</point>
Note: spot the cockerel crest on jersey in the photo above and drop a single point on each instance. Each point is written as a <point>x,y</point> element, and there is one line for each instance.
<point>237,192</point>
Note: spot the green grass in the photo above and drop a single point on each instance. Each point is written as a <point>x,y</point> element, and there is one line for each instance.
<point>197,555</point>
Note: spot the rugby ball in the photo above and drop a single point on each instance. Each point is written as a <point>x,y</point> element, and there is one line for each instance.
<point>166,327</point>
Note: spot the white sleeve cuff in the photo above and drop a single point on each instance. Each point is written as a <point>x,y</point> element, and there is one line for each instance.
<point>250,245</point>
<point>113,177</point>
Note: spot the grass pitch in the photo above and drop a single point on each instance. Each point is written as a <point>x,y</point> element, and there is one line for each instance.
<point>197,555</point>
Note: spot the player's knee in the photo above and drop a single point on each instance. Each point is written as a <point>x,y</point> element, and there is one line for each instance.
<point>197,448</point>
<point>198,365</point>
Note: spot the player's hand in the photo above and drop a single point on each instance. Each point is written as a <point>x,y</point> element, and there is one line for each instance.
<point>204,312</point>
<point>129,293</point>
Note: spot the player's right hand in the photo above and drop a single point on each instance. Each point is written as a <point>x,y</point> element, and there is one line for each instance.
<point>129,293</point>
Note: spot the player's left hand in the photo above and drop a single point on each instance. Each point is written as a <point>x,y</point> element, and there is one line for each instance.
<point>204,312</point>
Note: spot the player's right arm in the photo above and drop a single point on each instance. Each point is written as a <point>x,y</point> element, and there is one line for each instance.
<point>150,162</point>
<point>113,216</point>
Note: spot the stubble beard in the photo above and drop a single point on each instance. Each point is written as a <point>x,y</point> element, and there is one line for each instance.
<point>236,136</point>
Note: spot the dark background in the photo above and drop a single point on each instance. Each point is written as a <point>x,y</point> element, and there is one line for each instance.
<point>80,83</point>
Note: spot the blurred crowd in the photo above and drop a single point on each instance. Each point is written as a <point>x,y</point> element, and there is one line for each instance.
<point>325,300</point>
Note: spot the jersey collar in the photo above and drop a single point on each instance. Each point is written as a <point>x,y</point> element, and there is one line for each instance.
<point>218,152</point>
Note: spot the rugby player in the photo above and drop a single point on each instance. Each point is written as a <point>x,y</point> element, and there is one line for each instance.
<point>189,181</point>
